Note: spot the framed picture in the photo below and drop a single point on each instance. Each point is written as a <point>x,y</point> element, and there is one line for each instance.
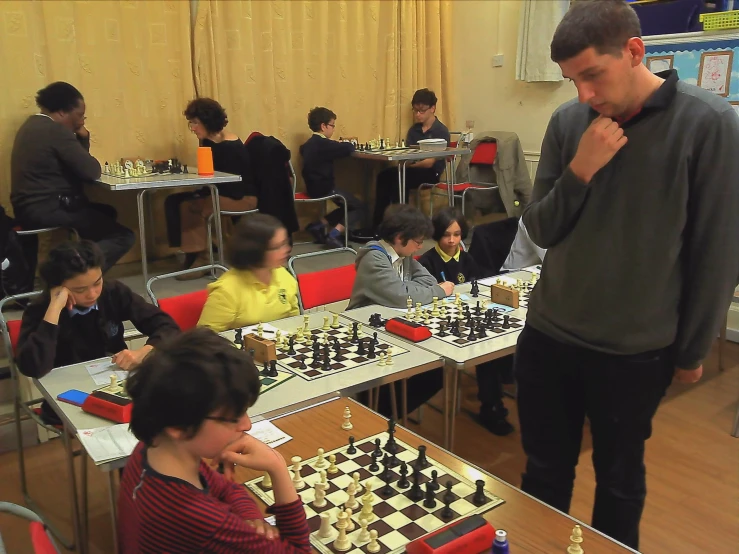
<point>655,64</point>
<point>715,71</point>
<point>735,105</point>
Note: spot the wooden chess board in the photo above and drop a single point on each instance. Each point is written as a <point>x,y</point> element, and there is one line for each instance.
<point>348,356</point>
<point>397,519</point>
<point>391,151</point>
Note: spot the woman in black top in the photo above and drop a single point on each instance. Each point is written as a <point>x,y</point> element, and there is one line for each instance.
<point>188,212</point>
<point>447,261</point>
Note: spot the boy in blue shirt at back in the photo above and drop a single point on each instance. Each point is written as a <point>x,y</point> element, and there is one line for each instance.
<point>319,153</point>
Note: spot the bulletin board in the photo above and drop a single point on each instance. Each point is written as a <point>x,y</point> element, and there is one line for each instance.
<point>707,60</point>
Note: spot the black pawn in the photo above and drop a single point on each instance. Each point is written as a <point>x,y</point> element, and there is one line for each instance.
<point>479,499</point>
<point>355,332</point>
<point>239,338</point>
<point>337,352</point>
<point>385,475</point>
<point>403,482</point>
<point>475,291</point>
<point>442,330</point>
<point>291,346</point>
<point>430,500</point>
<point>421,461</point>
<point>374,339</point>
<point>447,513</point>
<point>378,449</point>
<point>506,322</point>
<point>374,466</point>
<point>472,336</point>
<point>360,349</point>
<point>326,361</point>
<point>371,352</point>
<point>302,363</point>
<point>352,449</point>
<point>273,368</point>
<point>435,480</point>
<point>265,368</point>
<point>416,493</point>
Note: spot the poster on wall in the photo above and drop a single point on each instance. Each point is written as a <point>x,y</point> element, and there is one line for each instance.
<point>714,73</point>
<point>655,64</point>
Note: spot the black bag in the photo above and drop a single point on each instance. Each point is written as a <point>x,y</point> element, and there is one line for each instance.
<point>17,276</point>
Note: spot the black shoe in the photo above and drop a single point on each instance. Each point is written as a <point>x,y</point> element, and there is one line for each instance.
<point>495,421</point>
<point>318,231</point>
<point>334,241</point>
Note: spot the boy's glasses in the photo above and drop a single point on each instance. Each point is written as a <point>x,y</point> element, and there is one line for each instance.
<point>420,111</point>
<point>419,242</point>
<point>330,125</point>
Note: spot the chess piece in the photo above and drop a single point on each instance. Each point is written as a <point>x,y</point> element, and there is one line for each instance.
<point>371,352</point>
<point>272,368</point>
<point>297,479</point>
<point>381,363</point>
<point>479,499</point>
<point>378,449</point>
<point>355,331</point>
<point>416,493</point>
<point>475,292</point>
<point>239,337</point>
<point>368,495</point>
<point>357,485</point>
<point>326,359</point>
<point>575,541</point>
<point>447,513</point>
<point>332,464</point>
<point>319,495</point>
<point>403,482</point>
<point>114,387</point>
<point>260,330</point>
<point>335,322</point>
<point>265,368</point>
<point>352,449</point>
<point>389,357</point>
<point>430,497</point>
<point>321,461</point>
<point>435,307</point>
<point>324,480</point>
<point>326,530</point>
<point>302,363</point>
<point>291,346</point>
<point>306,323</point>
<point>347,425</point>
<point>350,526</point>
<point>373,466</point>
<point>325,324</point>
<point>267,481</point>
<point>421,462</point>
<point>366,514</point>
<point>364,534</point>
<point>351,502</point>
<point>435,480</point>
<point>360,348</point>
<point>373,545</point>
<point>278,339</point>
<point>300,336</point>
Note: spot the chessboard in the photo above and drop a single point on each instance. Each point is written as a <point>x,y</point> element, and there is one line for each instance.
<point>461,322</point>
<point>312,353</point>
<point>524,288</point>
<point>269,381</point>
<point>397,516</point>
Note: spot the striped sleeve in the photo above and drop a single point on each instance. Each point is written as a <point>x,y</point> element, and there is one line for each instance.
<point>232,494</point>
<point>292,523</point>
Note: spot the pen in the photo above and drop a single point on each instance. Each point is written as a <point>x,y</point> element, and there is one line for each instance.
<point>443,277</point>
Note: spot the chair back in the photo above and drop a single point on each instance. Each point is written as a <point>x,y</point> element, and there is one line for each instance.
<point>41,538</point>
<point>185,309</point>
<point>325,286</point>
<point>11,329</point>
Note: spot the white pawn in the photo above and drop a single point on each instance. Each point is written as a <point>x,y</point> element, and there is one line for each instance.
<point>409,303</point>
<point>260,330</point>
<point>306,322</point>
<point>335,322</point>
<point>350,526</point>
<point>319,498</point>
<point>332,464</point>
<point>359,330</point>
<point>357,485</point>
<point>435,307</point>
<point>389,359</point>
<point>342,542</point>
<point>366,514</point>
<point>297,479</point>
<point>325,531</point>
<point>347,420</point>
<point>364,535</point>
<point>278,339</point>
<point>324,481</point>
<point>321,461</point>
<point>114,387</point>
<point>325,324</point>
<point>373,545</point>
<point>381,363</point>
<point>267,481</point>
<point>351,502</point>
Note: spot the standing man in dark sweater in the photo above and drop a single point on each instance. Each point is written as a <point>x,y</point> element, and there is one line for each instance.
<point>49,165</point>
<point>635,197</point>
<point>426,126</point>
<point>319,153</point>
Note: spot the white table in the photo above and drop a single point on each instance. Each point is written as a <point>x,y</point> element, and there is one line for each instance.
<point>155,182</point>
<point>456,358</point>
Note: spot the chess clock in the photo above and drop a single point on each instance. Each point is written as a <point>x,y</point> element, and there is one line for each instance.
<point>471,535</point>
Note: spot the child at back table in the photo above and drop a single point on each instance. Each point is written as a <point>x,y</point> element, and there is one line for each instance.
<point>447,260</point>
<point>189,402</point>
<point>387,274</point>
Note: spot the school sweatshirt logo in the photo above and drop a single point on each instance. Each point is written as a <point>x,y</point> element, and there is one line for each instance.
<point>460,277</point>
<point>112,329</point>
<point>282,295</point>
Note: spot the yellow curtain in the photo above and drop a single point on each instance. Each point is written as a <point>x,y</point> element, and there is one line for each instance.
<point>270,62</point>
<point>131,60</point>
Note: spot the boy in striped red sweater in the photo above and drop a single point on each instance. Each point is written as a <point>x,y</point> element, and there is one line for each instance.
<point>189,402</point>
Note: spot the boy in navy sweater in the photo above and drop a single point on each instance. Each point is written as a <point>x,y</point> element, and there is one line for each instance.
<point>319,153</point>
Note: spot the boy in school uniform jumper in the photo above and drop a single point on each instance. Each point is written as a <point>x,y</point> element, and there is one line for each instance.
<point>447,259</point>
<point>190,401</point>
<point>319,153</point>
<point>257,288</point>
<point>387,275</point>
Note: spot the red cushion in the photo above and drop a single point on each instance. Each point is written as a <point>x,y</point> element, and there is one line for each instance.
<point>459,187</point>
<point>14,330</point>
<point>484,154</point>
<point>301,196</point>
<point>323,287</point>
<point>185,309</point>
<point>41,542</point>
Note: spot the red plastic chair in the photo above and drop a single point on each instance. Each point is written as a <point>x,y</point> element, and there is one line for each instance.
<point>483,155</point>
<point>314,289</point>
<point>185,309</point>
<point>41,539</point>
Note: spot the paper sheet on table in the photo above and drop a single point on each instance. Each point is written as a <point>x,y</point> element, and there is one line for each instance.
<point>101,372</point>
<point>103,444</point>
<point>269,433</point>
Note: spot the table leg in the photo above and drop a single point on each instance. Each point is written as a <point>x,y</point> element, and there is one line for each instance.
<point>453,410</point>
<point>142,233</point>
<point>77,532</point>
<point>402,201</point>
<point>400,184</point>
<point>113,508</point>
<point>404,401</point>
<point>215,199</point>
<point>445,411</point>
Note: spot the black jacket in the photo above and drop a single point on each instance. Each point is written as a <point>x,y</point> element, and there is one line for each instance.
<point>269,158</point>
<point>319,154</point>
<point>43,346</point>
<point>457,272</point>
